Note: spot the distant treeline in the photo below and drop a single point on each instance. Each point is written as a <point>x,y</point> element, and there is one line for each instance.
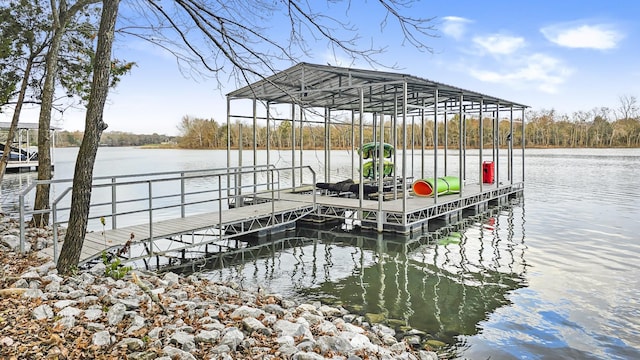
<point>544,128</point>
<point>198,133</point>
<point>113,138</point>
<point>547,128</point>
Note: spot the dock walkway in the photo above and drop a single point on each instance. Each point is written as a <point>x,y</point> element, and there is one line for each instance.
<point>417,211</point>
<point>241,220</point>
<point>168,213</point>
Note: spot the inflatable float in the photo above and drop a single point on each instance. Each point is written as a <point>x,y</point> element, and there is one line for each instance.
<point>445,185</point>
<point>370,168</point>
<point>370,150</point>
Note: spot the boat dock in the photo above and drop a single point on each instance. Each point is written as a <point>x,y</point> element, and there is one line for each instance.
<point>414,148</point>
<point>23,158</point>
<point>165,227</point>
<point>417,215</point>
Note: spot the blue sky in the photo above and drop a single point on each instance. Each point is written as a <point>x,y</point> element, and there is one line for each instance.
<point>562,55</point>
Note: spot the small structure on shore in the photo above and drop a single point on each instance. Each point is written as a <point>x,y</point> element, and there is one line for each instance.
<point>23,156</point>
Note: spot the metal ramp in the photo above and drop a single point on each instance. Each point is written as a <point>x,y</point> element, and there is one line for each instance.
<point>222,226</point>
<point>159,210</point>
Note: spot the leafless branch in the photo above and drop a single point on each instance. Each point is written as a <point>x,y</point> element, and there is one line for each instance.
<point>240,38</point>
<point>412,28</point>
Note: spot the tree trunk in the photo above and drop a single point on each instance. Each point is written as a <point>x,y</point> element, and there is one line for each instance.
<point>94,126</point>
<point>61,19</point>
<point>15,118</point>
<point>44,132</point>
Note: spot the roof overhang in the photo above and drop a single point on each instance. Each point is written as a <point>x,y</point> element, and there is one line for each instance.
<point>4,125</point>
<point>311,85</point>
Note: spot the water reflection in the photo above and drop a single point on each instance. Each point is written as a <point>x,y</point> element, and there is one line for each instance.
<point>11,185</point>
<point>443,283</point>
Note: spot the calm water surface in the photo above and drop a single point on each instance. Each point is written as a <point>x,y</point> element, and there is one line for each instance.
<point>556,276</point>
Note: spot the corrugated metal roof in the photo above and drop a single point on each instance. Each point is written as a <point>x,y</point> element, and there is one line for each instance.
<point>334,87</point>
<point>4,125</point>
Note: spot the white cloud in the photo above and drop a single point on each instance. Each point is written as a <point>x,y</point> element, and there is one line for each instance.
<point>599,37</point>
<point>455,26</point>
<point>499,44</point>
<point>541,71</point>
<point>333,59</point>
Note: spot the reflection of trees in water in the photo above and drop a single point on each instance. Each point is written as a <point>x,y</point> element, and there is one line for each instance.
<point>443,283</point>
<point>434,284</point>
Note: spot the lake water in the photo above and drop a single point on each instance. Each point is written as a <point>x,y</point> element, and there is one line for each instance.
<point>556,276</point>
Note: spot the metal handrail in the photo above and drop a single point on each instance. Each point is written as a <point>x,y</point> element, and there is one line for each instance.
<point>232,191</point>
<point>272,191</point>
<point>23,213</point>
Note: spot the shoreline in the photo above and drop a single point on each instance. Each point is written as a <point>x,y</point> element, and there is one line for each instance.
<point>147,316</point>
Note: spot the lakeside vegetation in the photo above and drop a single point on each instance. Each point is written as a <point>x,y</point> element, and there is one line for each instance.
<point>114,138</point>
<point>601,127</point>
<point>545,128</point>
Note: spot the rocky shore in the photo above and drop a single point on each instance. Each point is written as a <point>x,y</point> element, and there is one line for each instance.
<point>149,316</point>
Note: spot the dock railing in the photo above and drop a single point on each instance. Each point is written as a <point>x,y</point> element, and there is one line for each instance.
<point>124,200</point>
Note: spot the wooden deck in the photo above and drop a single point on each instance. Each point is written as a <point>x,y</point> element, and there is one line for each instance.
<point>22,166</point>
<point>261,213</point>
<point>390,216</point>
<point>414,203</point>
<point>97,241</point>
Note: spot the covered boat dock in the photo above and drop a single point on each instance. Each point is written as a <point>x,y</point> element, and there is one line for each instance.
<point>23,156</point>
<point>426,124</point>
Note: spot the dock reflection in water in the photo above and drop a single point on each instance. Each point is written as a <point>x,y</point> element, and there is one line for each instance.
<point>443,283</point>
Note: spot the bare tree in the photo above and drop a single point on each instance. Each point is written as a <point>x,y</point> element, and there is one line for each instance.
<point>628,107</point>
<point>234,40</point>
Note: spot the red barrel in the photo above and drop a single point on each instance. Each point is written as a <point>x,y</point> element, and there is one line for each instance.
<point>488,171</point>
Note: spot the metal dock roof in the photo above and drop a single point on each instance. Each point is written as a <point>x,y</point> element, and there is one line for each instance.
<point>313,85</point>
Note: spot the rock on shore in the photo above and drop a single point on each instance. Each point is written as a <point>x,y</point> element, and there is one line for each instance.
<point>149,316</point>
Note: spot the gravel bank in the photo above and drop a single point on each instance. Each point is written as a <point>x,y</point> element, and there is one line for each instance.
<point>149,316</point>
